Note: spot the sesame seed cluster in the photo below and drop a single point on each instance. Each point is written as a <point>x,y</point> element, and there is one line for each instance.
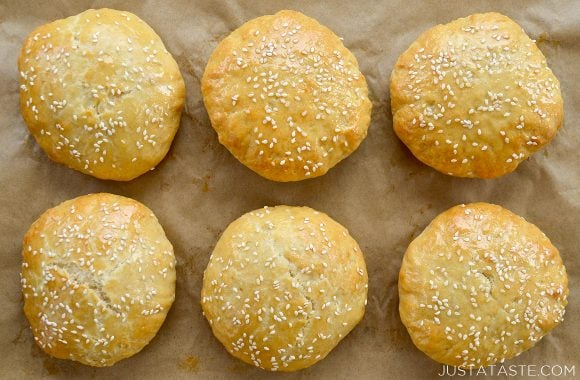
<point>100,93</point>
<point>283,286</point>
<point>98,278</point>
<point>475,97</point>
<point>480,285</point>
<point>286,97</point>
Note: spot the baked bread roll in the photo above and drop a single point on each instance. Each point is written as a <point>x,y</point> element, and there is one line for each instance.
<point>480,285</point>
<point>98,277</point>
<point>283,286</point>
<point>475,97</point>
<point>286,97</point>
<point>100,93</point>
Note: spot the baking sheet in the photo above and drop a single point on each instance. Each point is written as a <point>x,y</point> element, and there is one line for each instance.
<point>381,193</point>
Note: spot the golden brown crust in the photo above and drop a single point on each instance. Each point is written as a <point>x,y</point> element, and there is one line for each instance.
<point>100,93</point>
<point>286,97</point>
<point>480,285</point>
<point>475,97</point>
<point>283,286</point>
<point>98,277</point>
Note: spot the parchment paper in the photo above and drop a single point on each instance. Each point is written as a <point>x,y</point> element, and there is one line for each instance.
<point>383,195</point>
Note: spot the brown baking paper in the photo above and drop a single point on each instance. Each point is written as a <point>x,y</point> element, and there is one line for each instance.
<point>382,194</point>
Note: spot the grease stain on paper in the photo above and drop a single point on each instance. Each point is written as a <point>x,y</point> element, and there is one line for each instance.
<point>51,367</point>
<point>204,182</point>
<point>20,338</point>
<point>189,364</point>
<point>544,38</point>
